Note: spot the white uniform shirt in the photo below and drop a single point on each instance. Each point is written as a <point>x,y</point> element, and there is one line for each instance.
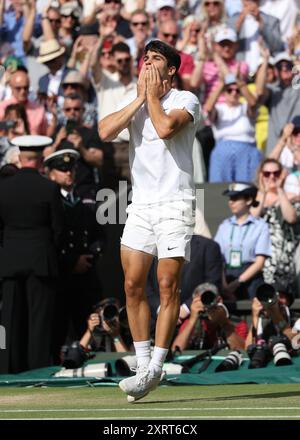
<point>162,169</point>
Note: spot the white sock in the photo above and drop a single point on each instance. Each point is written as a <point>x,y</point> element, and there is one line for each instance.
<point>143,355</point>
<point>158,359</point>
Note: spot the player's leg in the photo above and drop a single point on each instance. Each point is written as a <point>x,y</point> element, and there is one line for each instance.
<point>168,275</point>
<point>136,265</point>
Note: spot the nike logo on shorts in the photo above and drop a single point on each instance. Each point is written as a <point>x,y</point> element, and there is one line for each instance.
<point>170,249</point>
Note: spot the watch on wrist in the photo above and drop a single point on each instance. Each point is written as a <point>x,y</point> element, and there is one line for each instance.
<point>282,324</point>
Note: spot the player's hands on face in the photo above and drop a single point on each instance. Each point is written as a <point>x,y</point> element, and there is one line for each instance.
<point>156,87</point>
<point>142,83</point>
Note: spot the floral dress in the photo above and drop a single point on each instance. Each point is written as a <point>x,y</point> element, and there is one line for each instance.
<point>285,237</point>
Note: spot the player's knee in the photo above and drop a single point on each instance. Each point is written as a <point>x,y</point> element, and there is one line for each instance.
<point>133,288</point>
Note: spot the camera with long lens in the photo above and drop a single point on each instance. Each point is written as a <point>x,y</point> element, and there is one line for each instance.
<point>231,362</point>
<point>267,295</point>
<point>208,299</point>
<point>280,346</point>
<point>259,354</point>
<point>110,311</point>
<point>73,356</point>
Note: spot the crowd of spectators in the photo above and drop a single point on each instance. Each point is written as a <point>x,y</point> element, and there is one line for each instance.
<point>67,64</point>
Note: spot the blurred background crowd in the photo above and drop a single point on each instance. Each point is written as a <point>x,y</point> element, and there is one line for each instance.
<point>67,64</point>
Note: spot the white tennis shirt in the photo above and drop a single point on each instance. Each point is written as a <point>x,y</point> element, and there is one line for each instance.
<point>162,169</point>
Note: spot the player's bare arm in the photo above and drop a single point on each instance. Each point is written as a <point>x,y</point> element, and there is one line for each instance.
<point>112,125</point>
<point>169,125</point>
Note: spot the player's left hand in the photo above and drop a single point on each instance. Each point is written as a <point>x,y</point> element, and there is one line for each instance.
<point>156,88</point>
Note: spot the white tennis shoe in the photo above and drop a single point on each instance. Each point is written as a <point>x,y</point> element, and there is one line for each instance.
<point>138,386</point>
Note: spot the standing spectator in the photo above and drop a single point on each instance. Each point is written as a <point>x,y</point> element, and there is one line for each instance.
<point>191,28</point>
<point>73,134</point>
<point>214,18</point>
<point>168,32</point>
<point>15,124</point>
<point>206,73</point>
<point>53,56</point>
<point>281,215</point>
<point>282,100</point>
<point>245,243</point>
<point>287,149</point>
<point>80,249</point>
<point>294,39</point>
<point>36,115</point>
<point>285,11</point>
<point>140,28</point>
<point>31,222</point>
<point>70,14</point>
<point>252,25</point>
<point>235,156</point>
<point>12,24</point>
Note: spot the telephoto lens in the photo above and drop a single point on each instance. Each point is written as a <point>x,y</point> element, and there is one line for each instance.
<point>208,298</point>
<point>266,294</point>
<point>231,362</point>
<point>278,345</point>
<point>259,355</point>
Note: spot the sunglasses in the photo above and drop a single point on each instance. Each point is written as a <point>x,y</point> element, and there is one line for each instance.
<point>55,20</point>
<point>142,23</point>
<point>76,109</point>
<point>195,30</point>
<point>19,88</point>
<point>73,85</point>
<point>211,3</point>
<point>285,66</point>
<point>106,54</point>
<point>166,35</point>
<point>123,60</point>
<point>230,90</point>
<point>274,173</point>
<point>112,1</point>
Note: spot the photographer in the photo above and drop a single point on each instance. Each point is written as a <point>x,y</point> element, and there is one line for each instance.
<point>209,323</point>
<point>82,246</point>
<point>104,333</point>
<point>271,314</point>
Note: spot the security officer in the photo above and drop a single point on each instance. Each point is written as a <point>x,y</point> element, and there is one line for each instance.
<point>31,218</point>
<point>244,241</point>
<point>81,248</point>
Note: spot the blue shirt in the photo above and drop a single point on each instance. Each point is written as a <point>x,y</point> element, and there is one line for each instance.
<point>252,238</point>
<point>11,31</point>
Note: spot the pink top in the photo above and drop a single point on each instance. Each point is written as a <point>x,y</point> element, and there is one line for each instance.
<point>36,115</point>
<point>211,77</point>
<point>187,64</point>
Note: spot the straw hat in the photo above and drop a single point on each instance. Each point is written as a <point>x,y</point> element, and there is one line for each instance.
<point>49,50</point>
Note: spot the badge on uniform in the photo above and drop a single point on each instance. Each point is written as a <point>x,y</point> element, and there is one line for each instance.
<point>235,259</point>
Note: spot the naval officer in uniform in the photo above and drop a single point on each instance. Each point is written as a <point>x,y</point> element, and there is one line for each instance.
<point>31,223</point>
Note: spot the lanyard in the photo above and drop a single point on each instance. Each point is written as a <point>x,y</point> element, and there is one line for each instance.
<point>243,237</point>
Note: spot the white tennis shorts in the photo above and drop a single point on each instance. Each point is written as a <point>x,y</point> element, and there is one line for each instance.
<point>163,230</point>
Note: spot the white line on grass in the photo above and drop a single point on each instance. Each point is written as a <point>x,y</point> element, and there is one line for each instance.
<point>135,409</point>
<point>163,418</point>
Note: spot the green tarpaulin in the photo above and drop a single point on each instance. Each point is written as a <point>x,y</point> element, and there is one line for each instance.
<point>268,375</point>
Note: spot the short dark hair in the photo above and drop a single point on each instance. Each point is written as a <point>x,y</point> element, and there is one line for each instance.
<point>120,47</point>
<point>171,54</point>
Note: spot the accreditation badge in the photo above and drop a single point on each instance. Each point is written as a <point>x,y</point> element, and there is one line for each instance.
<point>235,259</point>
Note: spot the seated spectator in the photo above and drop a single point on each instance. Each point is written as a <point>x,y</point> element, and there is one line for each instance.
<point>245,243</point>
<point>209,323</point>
<point>36,115</point>
<point>281,214</point>
<point>288,146</point>
<point>15,123</point>
<point>104,334</point>
<point>168,32</point>
<point>252,25</point>
<point>273,317</point>
<point>235,156</point>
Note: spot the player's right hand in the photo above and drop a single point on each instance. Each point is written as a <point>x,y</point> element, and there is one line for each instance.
<point>142,83</point>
